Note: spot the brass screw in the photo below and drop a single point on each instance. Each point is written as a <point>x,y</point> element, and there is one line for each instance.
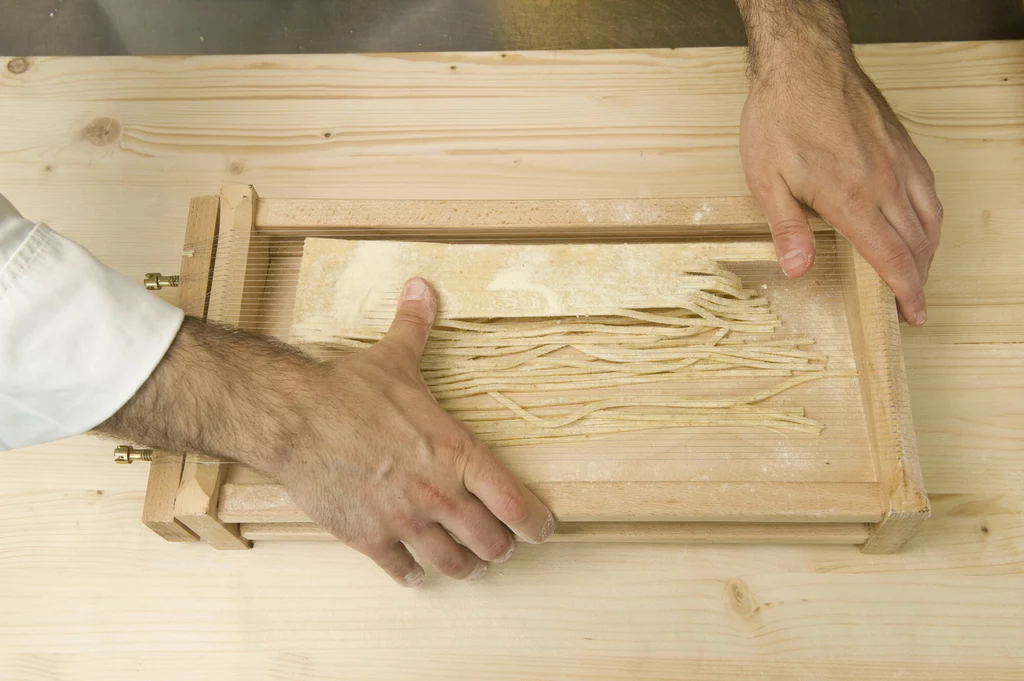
<point>155,281</point>
<point>127,454</point>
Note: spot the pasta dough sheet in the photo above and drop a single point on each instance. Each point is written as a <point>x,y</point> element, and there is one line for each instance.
<point>346,286</point>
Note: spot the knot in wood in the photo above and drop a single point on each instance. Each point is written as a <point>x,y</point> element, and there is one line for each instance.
<point>102,132</point>
<point>18,65</point>
<point>740,600</point>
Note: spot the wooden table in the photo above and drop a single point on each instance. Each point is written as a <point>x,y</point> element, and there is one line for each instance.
<point>109,152</point>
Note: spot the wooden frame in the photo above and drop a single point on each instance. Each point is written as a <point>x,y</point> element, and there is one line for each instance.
<point>158,512</point>
<point>226,262</point>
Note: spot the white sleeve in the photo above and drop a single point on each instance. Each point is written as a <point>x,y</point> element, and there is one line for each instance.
<point>77,339</point>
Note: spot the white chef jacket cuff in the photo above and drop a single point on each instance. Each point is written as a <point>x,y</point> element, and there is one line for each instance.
<point>77,339</point>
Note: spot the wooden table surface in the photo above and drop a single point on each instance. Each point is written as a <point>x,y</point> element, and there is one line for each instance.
<point>109,150</point>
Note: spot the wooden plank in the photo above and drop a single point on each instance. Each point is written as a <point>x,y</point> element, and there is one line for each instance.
<point>547,666</point>
<point>630,502</point>
<point>630,533</point>
<point>539,463</point>
<point>680,501</point>
<point>195,504</point>
<point>242,258</point>
<point>963,306</point>
<point>967,535</point>
<point>194,281</point>
<point>161,488</point>
<point>601,124</point>
<point>874,329</point>
<point>592,219</point>
<point>197,256</point>
<point>963,395</point>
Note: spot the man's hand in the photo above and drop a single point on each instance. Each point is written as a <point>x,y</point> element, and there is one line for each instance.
<point>384,464</point>
<point>359,442</point>
<point>816,130</point>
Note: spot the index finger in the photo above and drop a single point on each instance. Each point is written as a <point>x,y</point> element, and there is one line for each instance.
<point>885,250</point>
<point>507,498</point>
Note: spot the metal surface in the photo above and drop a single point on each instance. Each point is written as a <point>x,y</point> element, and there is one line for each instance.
<point>94,27</point>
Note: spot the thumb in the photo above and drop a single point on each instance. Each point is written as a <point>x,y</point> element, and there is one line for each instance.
<point>794,240</point>
<point>417,307</point>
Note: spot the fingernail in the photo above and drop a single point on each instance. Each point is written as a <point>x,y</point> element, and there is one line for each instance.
<point>545,532</point>
<point>793,259</point>
<point>549,528</point>
<point>477,572</point>
<point>415,289</point>
<point>508,554</point>
<point>921,318</point>
<point>413,579</point>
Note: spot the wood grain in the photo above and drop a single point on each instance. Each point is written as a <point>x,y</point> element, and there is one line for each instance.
<point>629,533</point>
<point>488,220</point>
<point>631,502</point>
<point>966,398</point>
<point>82,576</point>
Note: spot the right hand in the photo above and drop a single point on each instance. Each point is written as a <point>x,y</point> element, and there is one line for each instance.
<point>818,131</point>
<point>380,464</point>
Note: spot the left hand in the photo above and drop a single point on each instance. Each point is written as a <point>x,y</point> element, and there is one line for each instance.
<point>823,135</point>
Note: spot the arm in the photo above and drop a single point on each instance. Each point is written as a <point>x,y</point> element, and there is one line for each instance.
<point>815,130</point>
<point>358,441</point>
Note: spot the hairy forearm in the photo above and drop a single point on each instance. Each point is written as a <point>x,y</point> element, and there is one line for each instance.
<point>223,392</point>
<point>795,38</point>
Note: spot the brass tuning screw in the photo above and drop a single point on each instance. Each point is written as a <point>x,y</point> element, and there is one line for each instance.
<point>155,281</point>
<point>127,454</point>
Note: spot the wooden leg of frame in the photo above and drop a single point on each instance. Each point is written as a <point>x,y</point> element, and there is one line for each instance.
<point>908,508</point>
<point>196,503</point>
<point>158,508</point>
<point>196,264</point>
<point>197,255</point>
